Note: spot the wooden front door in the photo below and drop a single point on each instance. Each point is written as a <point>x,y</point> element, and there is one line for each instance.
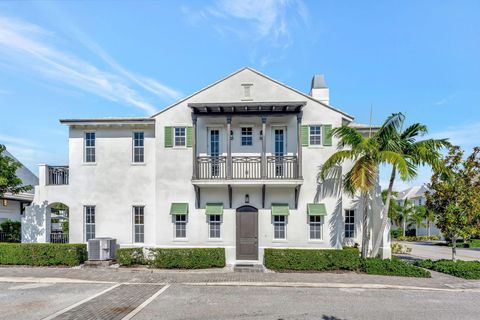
<point>247,233</point>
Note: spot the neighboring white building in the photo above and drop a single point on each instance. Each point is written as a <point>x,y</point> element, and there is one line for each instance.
<point>12,206</point>
<point>234,165</point>
<point>416,195</point>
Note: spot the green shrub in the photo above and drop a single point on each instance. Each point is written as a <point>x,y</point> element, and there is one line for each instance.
<point>398,248</point>
<point>12,230</point>
<point>130,256</point>
<point>186,258</point>
<point>417,238</point>
<point>42,254</point>
<point>461,269</point>
<point>313,260</point>
<point>395,233</point>
<point>393,267</point>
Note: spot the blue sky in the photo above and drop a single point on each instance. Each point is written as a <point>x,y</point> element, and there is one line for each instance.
<point>96,59</point>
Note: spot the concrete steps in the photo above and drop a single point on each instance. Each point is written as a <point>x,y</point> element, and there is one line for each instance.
<point>244,267</point>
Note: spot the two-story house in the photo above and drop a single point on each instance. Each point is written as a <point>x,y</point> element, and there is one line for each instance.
<point>234,165</point>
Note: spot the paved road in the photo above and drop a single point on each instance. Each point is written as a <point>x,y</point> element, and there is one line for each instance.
<point>178,301</point>
<point>431,250</point>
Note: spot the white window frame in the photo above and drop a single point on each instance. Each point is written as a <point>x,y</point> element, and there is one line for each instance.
<point>246,136</point>
<point>349,213</point>
<point>315,224</point>
<point>138,226</point>
<point>277,223</point>
<point>86,213</point>
<point>179,225</point>
<point>215,226</point>
<point>319,135</point>
<point>184,145</point>
<point>85,147</point>
<point>142,147</point>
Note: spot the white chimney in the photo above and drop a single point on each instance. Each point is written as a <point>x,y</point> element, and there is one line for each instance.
<point>319,89</point>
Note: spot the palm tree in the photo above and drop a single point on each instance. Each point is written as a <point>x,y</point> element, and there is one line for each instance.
<point>406,211</point>
<point>394,212</point>
<point>414,153</point>
<point>366,154</point>
<point>417,217</point>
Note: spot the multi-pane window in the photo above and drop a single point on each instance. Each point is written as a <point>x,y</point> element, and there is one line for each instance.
<point>214,221</point>
<point>139,224</point>
<point>349,224</point>
<point>89,146</point>
<point>279,227</point>
<point>89,222</point>
<point>315,135</point>
<point>180,226</point>
<point>316,223</point>
<point>138,147</point>
<point>180,137</point>
<point>247,136</point>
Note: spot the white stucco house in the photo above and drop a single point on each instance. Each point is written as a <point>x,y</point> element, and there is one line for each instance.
<point>233,165</point>
<point>416,196</point>
<point>12,206</point>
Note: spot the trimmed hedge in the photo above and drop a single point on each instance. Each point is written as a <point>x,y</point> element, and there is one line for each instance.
<point>180,258</point>
<point>42,254</point>
<point>130,256</point>
<point>312,260</point>
<point>187,258</point>
<point>461,269</point>
<point>417,238</point>
<point>393,267</point>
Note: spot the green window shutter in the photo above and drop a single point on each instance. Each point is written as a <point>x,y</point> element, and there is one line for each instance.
<point>168,137</point>
<point>304,134</point>
<point>327,135</point>
<point>189,137</point>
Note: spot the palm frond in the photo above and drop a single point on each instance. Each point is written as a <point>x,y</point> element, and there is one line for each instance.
<point>336,159</point>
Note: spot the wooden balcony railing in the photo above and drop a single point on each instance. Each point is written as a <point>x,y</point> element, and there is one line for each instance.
<point>58,175</point>
<point>246,168</point>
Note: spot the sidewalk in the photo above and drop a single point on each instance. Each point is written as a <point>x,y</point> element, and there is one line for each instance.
<point>226,277</point>
<point>431,250</point>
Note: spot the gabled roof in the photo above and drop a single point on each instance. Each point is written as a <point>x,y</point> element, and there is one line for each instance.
<point>412,193</point>
<point>115,120</point>
<point>27,177</point>
<point>262,75</point>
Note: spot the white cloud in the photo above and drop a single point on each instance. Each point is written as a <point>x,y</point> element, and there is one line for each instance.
<point>445,100</point>
<point>466,136</point>
<point>29,47</point>
<point>267,21</point>
<point>4,139</point>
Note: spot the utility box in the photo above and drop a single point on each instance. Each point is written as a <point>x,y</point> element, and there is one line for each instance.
<point>102,249</point>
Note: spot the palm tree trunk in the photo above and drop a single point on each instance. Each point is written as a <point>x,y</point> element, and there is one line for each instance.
<point>428,228</point>
<point>365,236</point>
<point>386,208</point>
<point>404,225</point>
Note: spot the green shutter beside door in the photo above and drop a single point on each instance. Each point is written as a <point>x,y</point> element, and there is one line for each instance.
<point>304,134</point>
<point>168,137</point>
<point>327,135</point>
<point>189,137</point>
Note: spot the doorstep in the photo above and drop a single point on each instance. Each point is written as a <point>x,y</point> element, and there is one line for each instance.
<point>248,266</point>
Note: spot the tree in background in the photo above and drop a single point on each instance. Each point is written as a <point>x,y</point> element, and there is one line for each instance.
<point>11,230</point>
<point>410,153</point>
<point>9,182</point>
<point>419,214</point>
<point>454,196</point>
<point>406,211</point>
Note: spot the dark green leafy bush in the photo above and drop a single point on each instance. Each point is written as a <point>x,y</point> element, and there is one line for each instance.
<point>393,267</point>
<point>42,254</point>
<point>312,260</point>
<point>130,256</point>
<point>11,230</point>
<point>461,269</point>
<point>395,233</point>
<point>187,258</point>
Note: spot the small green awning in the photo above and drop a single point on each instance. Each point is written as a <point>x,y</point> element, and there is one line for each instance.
<point>316,209</point>
<point>179,208</point>
<point>214,209</point>
<point>280,209</point>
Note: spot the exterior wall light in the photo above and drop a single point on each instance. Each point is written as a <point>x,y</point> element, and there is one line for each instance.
<point>261,134</point>
<point>5,202</point>
<point>247,198</point>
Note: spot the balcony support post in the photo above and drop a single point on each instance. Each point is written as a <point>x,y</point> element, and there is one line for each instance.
<point>229,147</point>
<point>264,148</point>
<point>230,193</point>
<point>299,145</point>
<point>194,146</point>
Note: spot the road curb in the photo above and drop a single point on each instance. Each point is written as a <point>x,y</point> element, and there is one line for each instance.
<point>328,285</point>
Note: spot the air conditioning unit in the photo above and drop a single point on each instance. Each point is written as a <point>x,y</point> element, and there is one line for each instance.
<point>102,249</point>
